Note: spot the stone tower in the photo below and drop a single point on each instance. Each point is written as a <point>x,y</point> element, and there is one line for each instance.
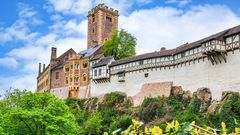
<point>102,20</point>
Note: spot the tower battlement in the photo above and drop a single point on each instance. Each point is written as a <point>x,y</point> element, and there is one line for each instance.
<point>103,7</point>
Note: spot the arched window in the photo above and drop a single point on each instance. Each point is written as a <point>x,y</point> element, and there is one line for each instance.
<point>84,77</point>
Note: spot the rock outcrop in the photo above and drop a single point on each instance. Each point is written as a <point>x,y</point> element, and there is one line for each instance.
<point>177,90</point>
<point>205,95</point>
<point>217,103</point>
<point>213,106</point>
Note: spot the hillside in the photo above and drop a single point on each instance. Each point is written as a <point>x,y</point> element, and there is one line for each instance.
<point>41,113</point>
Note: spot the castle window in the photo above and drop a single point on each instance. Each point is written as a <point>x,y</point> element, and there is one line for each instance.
<point>141,62</point>
<point>67,69</point>
<point>84,77</point>
<point>229,40</point>
<point>93,30</point>
<point>93,19</point>
<point>66,80</point>
<point>84,65</point>
<point>71,66</point>
<point>71,79</point>
<point>100,72</point>
<point>109,19</point>
<point>95,72</point>
<point>57,75</point>
<point>183,54</point>
<point>146,75</point>
<point>76,66</point>
<point>76,79</point>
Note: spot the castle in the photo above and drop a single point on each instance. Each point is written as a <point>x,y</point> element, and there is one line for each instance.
<point>211,62</point>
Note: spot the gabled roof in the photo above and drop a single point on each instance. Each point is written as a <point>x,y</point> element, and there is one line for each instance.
<point>103,62</point>
<point>66,53</point>
<point>219,36</point>
<point>58,66</point>
<point>98,56</point>
<point>144,56</point>
<point>89,52</point>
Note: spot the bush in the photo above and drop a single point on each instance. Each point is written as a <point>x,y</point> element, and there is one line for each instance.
<point>114,99</point>
<point>228,112</point>
<point>194,106</point>
<point>93,125</point>
<point>152,108</point>
<point>122,122</point>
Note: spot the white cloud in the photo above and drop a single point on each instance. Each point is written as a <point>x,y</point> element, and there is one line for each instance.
<point>27,53</point>
<point>143,1</point>
<point>25,11</point>
<point>81,7</point>
<point>47,39</point>
<point>179,3</point>
<point>64,44</point>
<point>20,30</point>
<point>56,17</point>
<point>27,81</point>
<point>171,27</point>
<point>8,62</point>
<point>71,6</point>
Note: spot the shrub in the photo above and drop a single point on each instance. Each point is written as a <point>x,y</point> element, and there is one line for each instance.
<point>228,112</point>
<point>122,122</point>
<point>93,125</point>
<point>152,108</point>
<point>194,106</point>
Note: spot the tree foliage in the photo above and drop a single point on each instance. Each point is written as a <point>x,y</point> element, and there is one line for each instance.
<point>36,114</point>
<point>121,45</point>
<point>26,113</point>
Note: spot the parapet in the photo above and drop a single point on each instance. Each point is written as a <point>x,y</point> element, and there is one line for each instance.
<point>103,7</point>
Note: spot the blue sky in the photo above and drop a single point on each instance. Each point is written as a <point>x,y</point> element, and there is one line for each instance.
<point>29,28</point>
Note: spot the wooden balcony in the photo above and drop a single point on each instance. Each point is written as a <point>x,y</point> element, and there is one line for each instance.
<point>215,51</point>
<point>214,46</point>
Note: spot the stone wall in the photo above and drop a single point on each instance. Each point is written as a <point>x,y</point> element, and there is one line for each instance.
<point>84,92</point>
<point>190,76</point>
<point>57,82</point>
<point>152,90</point>
<point>100,29</point>
<point>61,93</point>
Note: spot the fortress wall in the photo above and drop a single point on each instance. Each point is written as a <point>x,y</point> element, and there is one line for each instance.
<point>62,92</point>
<point>220,77</point>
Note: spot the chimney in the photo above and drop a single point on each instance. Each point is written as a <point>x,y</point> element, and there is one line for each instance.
<point>39,69</point>
<point>162,49</point>
<point>44,67</point>
<point>54,53</point>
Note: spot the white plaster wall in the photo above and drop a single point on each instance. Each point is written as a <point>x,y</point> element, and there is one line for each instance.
<point>220,77</point>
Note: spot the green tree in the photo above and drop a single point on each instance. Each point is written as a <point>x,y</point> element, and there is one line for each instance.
<point>121,45</point>
<point>93,125</point>
<point>26,113</point>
